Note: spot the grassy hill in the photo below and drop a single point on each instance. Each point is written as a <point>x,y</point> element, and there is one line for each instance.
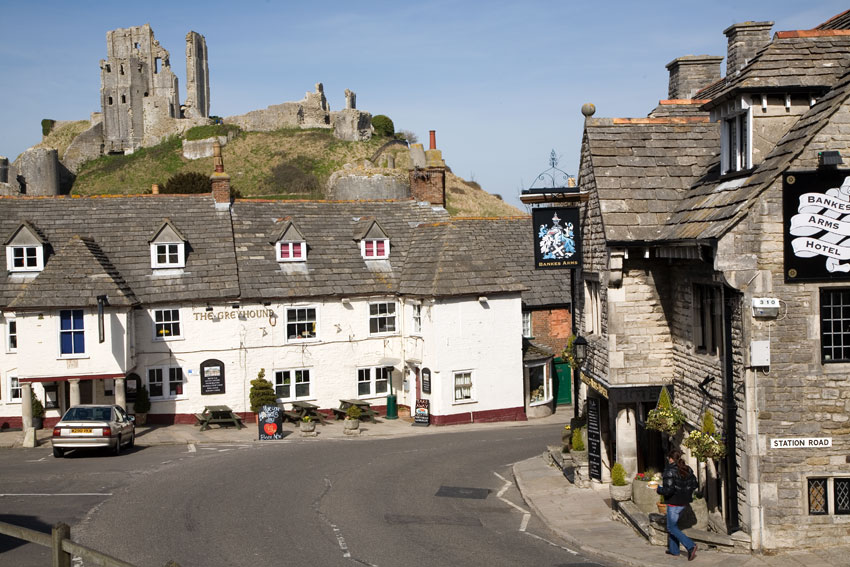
<point>284,164</point>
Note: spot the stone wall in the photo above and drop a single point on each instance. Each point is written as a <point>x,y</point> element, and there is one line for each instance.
<point>197,77</point>
<point>355,183</point>
<point>87,146</point>
<point>36,172</point>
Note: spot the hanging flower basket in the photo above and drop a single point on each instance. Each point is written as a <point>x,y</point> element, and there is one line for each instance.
<point>705,446</point>
<point>665,418</point>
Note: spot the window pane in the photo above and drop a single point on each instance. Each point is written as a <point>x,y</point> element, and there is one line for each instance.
<point>79,342</point>
<point>841,486</point>
<point>817,496</point>
<point>379,248</point>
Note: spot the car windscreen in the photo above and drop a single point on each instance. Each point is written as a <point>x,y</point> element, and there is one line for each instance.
<point>88,414</point>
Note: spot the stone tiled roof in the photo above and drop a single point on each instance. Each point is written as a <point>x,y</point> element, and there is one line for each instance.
<point>643,167</point>
<point>839,22</point>
<point>793,60</point>
<point>79,265</point>
<point>534,352</point>
<point>120,228</point>
<point>678,108</point>
<point>712,208</point>
<point>334,265</point>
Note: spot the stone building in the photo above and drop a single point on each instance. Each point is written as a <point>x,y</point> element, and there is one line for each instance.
<point>139,92</point>
<point>333,299</point>
<point>714,264</point>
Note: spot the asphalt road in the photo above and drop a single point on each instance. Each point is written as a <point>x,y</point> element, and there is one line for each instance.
<point>445,499</point>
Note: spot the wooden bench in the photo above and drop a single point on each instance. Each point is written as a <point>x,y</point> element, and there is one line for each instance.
<point>220,415</point>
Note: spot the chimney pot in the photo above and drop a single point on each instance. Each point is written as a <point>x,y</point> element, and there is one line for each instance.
<point>433,136</point>
<point>155,189</point>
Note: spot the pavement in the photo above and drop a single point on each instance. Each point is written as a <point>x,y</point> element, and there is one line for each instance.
<point>582,517</point>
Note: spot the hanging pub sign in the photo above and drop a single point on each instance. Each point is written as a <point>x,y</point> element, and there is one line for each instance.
<point>270,423</point>
<point>212,377</point>
<point>556,238</point>
<point>816,214</point>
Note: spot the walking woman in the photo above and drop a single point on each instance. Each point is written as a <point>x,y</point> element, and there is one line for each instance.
<point>677,488</point>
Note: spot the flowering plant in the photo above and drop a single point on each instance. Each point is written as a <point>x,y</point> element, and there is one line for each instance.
<point>665,417</point>
<point>642,476</point>
<point>705,443</point>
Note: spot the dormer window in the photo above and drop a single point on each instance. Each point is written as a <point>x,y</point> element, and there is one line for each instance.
<point>168,247</point>
<point>291,251</point>
<point>290,244</point>
<point>374,242</point>
<point>375,249</point>
<point>736,136</point>
<point>25,250</point>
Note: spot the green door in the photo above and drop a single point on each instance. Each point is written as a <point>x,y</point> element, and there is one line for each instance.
<point>564,383</point>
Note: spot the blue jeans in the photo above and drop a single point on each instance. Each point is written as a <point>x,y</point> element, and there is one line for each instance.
<point>674,534</point>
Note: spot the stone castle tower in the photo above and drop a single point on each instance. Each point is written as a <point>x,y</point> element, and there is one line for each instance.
<point>139,92</point>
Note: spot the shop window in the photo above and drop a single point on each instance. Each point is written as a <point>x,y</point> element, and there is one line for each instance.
<point>829,496</point>
<point>835,325</point>
<point>373,381</point>
<point>72,341</point>
<point>300,323</point>
<point>165,383</point>
<point>292,384</point>
<point>539,384</point>
<point>51,396</point>
<point>708,319</point>
<point>166,324</point>
<point>381,318</point>
<point>463,386</point>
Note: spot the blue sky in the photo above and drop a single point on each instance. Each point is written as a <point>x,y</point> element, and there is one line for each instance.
<point>502,83</point>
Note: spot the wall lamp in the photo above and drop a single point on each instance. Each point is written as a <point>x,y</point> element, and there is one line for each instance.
<point>209,307</point>
<point>482,300</point>
<point>829,158</point>
<point>346,302</point>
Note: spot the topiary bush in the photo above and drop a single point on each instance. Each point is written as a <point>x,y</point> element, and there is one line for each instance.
<point>262,392</point>
<point>618,475</point>
<point>383,125</point>
<point>143,401</point>
<point>189,182</point>
<point>37,406</point>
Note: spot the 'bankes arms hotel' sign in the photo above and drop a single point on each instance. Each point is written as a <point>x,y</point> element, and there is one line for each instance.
<point>816,206</point>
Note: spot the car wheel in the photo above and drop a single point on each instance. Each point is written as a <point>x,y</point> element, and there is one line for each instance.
<point>58,453</point>
<point>132,442</point>
<point>117,450</point>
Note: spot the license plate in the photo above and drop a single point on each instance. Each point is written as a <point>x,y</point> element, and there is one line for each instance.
<point>81,430</point>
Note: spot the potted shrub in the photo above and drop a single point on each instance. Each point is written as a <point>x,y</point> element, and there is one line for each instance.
<point>619,488</point>
<point>142,405</point>
<point>262,392</point>
<point>352,419</point>
<point>578,451</point>
<point>662,507</point>
<point>307,425</point>
<point>37,412</point>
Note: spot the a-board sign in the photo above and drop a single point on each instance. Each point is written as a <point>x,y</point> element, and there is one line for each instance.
<point>212,377</point>
<point>594,439</point>
<point>422,415</point>
<point>270,423</point>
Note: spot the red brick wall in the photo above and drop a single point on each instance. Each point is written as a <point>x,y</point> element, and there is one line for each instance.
<point>429,185</point>
<point>552,327</point>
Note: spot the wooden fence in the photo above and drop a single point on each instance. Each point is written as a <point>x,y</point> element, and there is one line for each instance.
<point>62,548</point>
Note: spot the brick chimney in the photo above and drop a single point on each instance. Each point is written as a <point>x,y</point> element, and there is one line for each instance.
<point>219,179</point>
<point>691,73</point>
<point>744,40</point>
<point>429,183</point>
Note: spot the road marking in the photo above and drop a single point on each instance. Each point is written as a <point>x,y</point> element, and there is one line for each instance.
<point>61,494</point>
<point>553,544</point>
<point>37,460</point>
<point>192,448</point>
<point>526,515</point>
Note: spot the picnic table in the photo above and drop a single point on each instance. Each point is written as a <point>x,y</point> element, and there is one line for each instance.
<point>221,415</point>
<point>300,410</point>
<point>365,409</point>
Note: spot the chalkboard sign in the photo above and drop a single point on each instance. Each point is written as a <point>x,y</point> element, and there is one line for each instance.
<point>426,380</point>
<point>423,413</point>
<point>212,377</point>
<point>270,423</point>
<point>594,439</point>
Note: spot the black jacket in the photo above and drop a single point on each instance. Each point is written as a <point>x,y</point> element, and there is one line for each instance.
<point>676,490</point>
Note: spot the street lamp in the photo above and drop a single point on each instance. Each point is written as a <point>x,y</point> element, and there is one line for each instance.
<point>580,355</point>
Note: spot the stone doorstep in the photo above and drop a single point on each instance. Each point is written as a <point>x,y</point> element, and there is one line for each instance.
<point>657,523</point>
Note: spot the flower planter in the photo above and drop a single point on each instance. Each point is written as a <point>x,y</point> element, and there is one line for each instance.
<point>38,423</point>
<point>644,496</point>
<point>352,427</point>
<point>620,493</point>
<point>662,508</point>
<point>141,418</point>
<point>579,457</point>
<point>308,428</point>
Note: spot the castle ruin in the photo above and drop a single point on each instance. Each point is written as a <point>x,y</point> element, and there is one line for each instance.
<point>139,93</point>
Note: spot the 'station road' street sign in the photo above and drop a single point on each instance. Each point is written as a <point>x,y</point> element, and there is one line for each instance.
<point>801,443</point>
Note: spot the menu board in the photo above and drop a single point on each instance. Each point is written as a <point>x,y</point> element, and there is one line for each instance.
<point>594,439</point>
<point>422,415</point>
<point>212,377</point>
<point>426,381</point>
<point>270,423</point>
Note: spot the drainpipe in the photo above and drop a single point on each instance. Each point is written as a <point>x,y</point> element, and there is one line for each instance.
<point>730,418</point>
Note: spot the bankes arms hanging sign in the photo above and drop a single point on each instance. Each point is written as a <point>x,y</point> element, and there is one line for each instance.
<point>556,238</point>
<point>816,211</point>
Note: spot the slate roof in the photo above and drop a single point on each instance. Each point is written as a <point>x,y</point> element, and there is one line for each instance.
<point>534,352</point>
<point>796,60</point>
<point>643,167</point>
<point>119,227</point>
<point>839,22</point>
<point>713,207</point>
<point>678,108</point>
